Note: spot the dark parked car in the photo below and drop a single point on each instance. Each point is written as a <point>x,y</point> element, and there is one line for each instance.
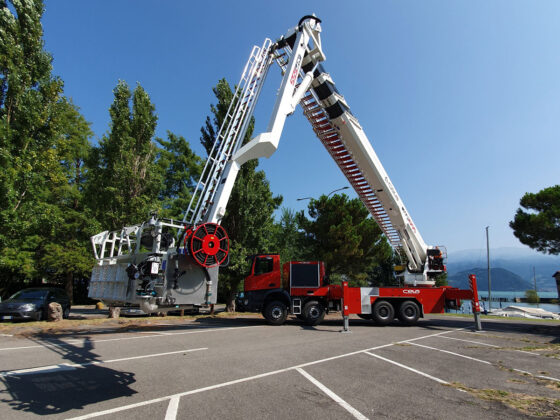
<point>32,304</point>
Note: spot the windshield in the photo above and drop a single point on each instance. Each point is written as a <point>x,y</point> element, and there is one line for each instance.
<point>31,294</point>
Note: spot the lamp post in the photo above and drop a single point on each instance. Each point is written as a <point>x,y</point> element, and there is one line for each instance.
<point>328,195</point>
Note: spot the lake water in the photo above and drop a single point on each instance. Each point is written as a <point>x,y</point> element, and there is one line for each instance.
<point>510,301</point>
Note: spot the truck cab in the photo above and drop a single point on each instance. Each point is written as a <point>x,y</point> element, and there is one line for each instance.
<point>300,288</point>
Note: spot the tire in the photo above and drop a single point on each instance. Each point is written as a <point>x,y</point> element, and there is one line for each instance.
<point>383,312</point>
<point>275,312</point>
<point>66,313</point>
<point>313,312</point>
<point>409,312</point>
<point>40,315</point>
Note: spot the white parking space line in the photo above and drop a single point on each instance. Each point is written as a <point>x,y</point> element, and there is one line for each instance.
<point>441,381</point>
<point>171,413</point>
<point>139,337</point>
<point>469,341</point>
<point>250,378</point>
<point>6,335</point>
<point>432,335</point>
<point>491,345</point>
<point>72,366</point>
<point>528,352</point>
<point>331,394</point>
<point>450,352</point>
<point>548,377</point>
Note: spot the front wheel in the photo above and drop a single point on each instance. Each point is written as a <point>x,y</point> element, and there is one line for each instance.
<point>313,312</point>
<point>66,313</point>
<point>409,312</point>
<point>275,313</point>
<point>383,312</point>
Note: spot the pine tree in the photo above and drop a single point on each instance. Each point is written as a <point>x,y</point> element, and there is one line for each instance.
<point>341,233</point>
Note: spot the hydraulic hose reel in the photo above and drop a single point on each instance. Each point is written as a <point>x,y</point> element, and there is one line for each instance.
<point>208,244</point>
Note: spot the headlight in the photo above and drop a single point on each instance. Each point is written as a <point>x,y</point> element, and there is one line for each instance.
<point>28,307</point>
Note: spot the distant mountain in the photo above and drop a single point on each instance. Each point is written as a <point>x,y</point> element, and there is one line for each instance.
<point>517,261</point>
<point>502,280</point>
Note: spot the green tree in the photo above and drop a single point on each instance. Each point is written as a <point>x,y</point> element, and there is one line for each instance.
<point>249,216</point>
<point>288,238</point>
<point>125,179</point>
<point>38,128</point>
<point>341,233</point>
<point>181,168</point>
<point>532,296</point>
<point>65,252</point>
<point>537,222</point>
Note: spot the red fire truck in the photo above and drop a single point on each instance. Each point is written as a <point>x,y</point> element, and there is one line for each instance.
<point>302,289</point>
<point>148,265</point>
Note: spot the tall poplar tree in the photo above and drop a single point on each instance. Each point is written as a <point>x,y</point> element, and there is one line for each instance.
<point>180,168</point>
<point>125,179</point>
<point>38,127</point>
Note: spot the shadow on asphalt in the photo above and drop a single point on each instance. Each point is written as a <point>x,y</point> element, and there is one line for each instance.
<point>66,388</point>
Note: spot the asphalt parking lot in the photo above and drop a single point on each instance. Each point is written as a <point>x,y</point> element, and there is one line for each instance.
<point>243,368</point>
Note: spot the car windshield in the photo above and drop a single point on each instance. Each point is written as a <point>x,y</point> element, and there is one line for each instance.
<point>31,294</point>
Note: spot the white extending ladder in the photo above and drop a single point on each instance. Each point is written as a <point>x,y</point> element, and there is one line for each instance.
<point>232,132</point>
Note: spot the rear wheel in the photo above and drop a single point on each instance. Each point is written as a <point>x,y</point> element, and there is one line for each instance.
<point>313,312</point>
<point>409,312</point>
<point>383,312</point>
<point>275,312</point>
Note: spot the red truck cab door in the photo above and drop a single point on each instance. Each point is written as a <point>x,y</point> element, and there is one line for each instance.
<point>264,274</point>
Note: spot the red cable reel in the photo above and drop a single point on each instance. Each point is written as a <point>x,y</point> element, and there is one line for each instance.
<point>208,245</point>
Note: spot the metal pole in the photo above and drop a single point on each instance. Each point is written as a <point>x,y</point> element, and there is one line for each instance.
<point>489,277</point>
<point>535,283</point>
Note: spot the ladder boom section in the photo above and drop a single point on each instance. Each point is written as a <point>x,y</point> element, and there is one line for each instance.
<point>345,140</point>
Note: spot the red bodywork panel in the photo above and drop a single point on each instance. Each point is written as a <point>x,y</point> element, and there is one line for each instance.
<point>259,280</point>
<point>357,300</point>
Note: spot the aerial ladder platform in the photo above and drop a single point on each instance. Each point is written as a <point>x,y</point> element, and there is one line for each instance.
<point>165,264</point>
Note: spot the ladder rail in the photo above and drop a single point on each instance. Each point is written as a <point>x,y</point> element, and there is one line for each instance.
<point>236,129</point>
<point>329,137</point>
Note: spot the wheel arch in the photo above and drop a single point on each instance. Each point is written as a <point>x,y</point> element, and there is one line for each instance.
<point>280,295</point>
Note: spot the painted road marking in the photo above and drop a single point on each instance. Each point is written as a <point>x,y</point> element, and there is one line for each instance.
<point>237,381</point>
<point>441,381</point>
<point>72,366</point>
<point>72,342</point>
<point>331,394</point>
<point>477,333</point>
<point>469,341</point>
<point>450,352</point>
<point>548,377</point>
<point>171,413</point>
<point>528,352</point>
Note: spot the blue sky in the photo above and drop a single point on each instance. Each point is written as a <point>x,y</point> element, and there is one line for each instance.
<point>460,99</point>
